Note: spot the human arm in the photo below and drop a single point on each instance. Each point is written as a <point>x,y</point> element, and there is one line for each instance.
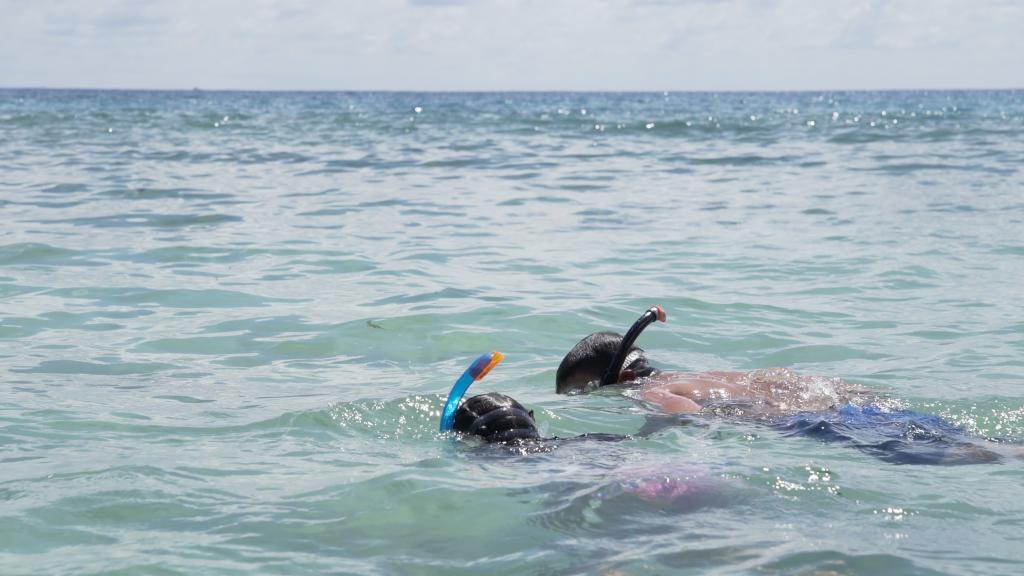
<point>669,401</point>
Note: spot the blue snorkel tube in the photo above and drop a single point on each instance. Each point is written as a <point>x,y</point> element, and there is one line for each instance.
<point>476,371</point>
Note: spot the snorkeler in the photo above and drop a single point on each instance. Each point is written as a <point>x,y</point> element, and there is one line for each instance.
<point>824,408</point>
<point>495,417</point>
<point>606,358</point>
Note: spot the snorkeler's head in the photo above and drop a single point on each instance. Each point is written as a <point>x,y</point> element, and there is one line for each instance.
<point>586,364</point>
<point>495,418</point>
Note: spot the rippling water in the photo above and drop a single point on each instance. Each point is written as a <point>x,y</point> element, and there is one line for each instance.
<point>227,321</point>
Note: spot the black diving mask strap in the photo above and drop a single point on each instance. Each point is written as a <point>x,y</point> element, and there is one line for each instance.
<point>494,415</point>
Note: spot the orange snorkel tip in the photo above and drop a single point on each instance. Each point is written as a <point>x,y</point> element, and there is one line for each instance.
<point>495,358</point>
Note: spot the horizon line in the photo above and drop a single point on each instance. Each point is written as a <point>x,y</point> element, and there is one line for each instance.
<point>198,89</point>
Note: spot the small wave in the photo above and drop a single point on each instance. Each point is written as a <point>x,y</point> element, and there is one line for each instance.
<point>745,160</point>
<point>162,193</point>
<point>94,368</point>
<point>36,254</point>
<point>181,298</point>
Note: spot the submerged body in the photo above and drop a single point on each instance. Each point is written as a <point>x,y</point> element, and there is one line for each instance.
<point>825,409</point>
<point>505,427</point>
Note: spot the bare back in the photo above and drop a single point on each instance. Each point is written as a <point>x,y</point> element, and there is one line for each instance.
<point>769,391</point>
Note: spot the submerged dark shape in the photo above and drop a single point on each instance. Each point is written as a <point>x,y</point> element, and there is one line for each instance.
<point>895,436</point>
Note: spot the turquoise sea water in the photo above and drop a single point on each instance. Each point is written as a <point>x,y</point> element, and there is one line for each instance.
<point>227,322</point>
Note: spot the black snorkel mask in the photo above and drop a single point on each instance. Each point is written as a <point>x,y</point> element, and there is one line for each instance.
<point>611,375</point>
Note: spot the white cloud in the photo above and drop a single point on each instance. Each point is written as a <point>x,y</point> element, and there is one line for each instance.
<point>513,44</point>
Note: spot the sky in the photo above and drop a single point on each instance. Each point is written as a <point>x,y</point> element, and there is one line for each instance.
<point>512,44</point>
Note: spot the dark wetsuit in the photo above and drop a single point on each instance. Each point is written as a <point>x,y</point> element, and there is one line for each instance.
<point>541,445</point>
<point>898,436</point>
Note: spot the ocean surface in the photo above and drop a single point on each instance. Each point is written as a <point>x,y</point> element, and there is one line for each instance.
<point>228,322</point>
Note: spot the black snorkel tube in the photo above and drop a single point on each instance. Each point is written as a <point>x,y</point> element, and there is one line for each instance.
<point>611,376</point>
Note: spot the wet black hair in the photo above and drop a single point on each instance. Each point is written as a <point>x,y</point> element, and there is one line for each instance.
<point>496,418</point>
<point>590,358</point>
